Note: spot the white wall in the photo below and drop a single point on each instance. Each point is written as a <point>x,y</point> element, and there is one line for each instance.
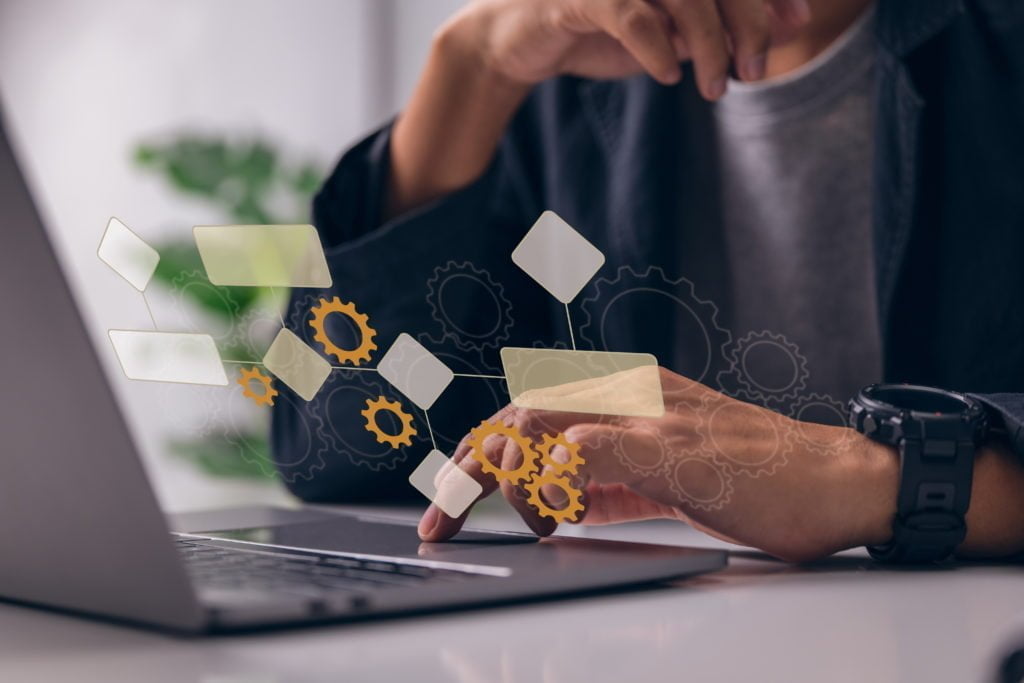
<point>83,81</point>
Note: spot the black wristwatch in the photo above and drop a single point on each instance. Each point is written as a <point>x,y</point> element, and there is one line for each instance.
<point>937,433</point>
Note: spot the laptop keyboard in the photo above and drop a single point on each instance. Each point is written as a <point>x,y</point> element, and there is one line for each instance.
<point>303,575</point>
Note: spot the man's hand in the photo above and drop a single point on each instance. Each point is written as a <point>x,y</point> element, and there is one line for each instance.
<point>486,58</point>
<point>737,471</point>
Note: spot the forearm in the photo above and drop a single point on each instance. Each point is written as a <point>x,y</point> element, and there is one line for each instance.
<point>448,133</point>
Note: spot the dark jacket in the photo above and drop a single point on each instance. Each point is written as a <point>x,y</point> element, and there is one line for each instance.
<point>609,157</point>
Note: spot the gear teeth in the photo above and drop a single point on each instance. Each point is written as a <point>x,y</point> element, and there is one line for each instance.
<point>357,356</point>
<point>570,512</point>
<point>531,458</point>
<point>381,404</point>
<point>252,374</point>
<point>548,442</point>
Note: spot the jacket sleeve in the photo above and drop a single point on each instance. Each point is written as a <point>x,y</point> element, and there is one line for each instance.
<point>1006,417</point>
<point>442,274</point>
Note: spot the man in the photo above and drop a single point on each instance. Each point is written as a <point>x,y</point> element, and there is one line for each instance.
<point>855,187</point>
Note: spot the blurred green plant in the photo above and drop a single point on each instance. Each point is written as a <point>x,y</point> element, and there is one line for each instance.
<point>245,182</point>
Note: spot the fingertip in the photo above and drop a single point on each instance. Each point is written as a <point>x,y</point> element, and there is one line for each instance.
<point>428,523</point>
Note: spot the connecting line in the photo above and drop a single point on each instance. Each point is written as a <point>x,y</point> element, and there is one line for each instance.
<point>462,374</point>
<point>430,429</point>
<point>243,362</point>
<point>352,367</point>
<point>280,316</point>
<point>568,319</point>
<point>150,311</point>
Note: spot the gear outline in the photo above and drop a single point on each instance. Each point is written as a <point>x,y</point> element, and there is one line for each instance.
<point>188,278</point>
<point>706,504</point>
<point>619,447</point>
<point>312,462</point>
<point>361,353</point>
<point>548,442</point>
<point>570,512</point>
<point>531,458</point>
<point>245,337</point>
<point>502,329</point>
<point>349,380</point>
<point>710,405</point>
<point>805,402</point>
<point>737,370</point>
<point>704,311</point>
<point>248,375</point>
<point>381,404</point>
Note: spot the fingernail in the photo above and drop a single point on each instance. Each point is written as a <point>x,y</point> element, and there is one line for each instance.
<point>672,76</point>
<point>717,89</point>
<point>754,70</point>
<point>429,520</point>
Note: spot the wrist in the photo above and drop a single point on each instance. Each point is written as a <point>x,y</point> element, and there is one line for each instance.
<point>873,474</point>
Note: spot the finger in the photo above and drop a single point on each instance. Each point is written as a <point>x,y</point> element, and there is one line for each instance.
<point>435,525</point>
<point>700,25</point>
<point>747,24</point>
<point>792,12</point>
<point>642,29</point>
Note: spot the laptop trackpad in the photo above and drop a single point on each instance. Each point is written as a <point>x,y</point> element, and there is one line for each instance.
<point>353,534</point>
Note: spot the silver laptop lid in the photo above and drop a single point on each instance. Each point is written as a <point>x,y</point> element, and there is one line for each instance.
<point>80,528</point>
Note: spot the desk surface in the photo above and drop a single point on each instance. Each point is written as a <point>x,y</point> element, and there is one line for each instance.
<point>760,620</point>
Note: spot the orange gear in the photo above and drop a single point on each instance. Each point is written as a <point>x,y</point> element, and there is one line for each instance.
<point>403,437</point>
<point>572,508</point>
<point>575,459</point>
<point>531,458</point>
<point>356,356</point>
<point>269,392</point>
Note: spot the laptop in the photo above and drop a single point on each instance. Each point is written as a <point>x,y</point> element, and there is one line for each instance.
<point>81,530</point>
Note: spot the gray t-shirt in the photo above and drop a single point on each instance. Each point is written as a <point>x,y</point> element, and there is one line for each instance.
<point>795,157</point>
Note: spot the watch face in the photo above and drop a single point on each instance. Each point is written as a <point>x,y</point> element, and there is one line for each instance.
<point>919,399</point>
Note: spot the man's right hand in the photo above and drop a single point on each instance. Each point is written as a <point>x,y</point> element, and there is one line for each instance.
<point>532,40</point>
<point>486,58</point>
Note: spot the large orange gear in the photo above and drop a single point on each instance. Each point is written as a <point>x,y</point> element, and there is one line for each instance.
<point>572,508</point>
<point>252,374</point>
<point>403,437</point>
<point>531,459</point>
<point>361,353</point>
<point>575,459</point>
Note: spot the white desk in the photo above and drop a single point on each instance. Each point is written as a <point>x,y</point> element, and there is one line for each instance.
<point>843,620</point>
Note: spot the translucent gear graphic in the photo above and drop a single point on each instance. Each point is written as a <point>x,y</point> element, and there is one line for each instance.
<point>344,392</point>
<point>548,443</point>
<point>407,431</point>
<point>742,376</point>
<point>629,459</point>
<point>606,293</point>
<point>240,430</point>
<point>188,280</point>
<point>299,315</point>
<point>449,277</point>
<point>361,353</point>
<point>531,459</point>
<point>685,471</point>
<point>573,507</point>
<point>264,397</point>
<point>811,409</point>
<point>712,407</point>
<point>254,331</point>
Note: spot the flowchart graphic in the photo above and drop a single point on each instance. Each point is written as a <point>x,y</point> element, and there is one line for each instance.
<point>554,254</point>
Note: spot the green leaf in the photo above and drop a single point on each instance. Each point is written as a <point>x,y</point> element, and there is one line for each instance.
<point>219,458</point>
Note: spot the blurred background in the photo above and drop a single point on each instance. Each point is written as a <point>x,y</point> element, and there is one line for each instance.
<point>169,115</point>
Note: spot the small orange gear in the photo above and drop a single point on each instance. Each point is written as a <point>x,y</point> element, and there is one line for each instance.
<point>575,459</point>
<point>403,437</point>
<point>252,374</point>
<point>572,508</point>
<point>531,458</point>
<point>359,354</point>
